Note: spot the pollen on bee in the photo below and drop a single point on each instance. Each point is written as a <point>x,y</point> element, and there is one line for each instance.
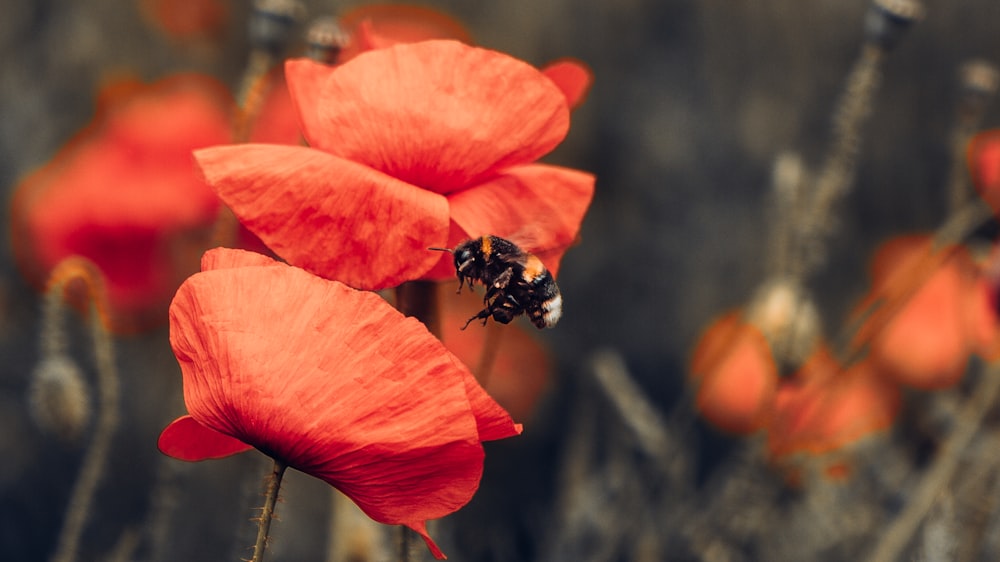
<point>533,267</point>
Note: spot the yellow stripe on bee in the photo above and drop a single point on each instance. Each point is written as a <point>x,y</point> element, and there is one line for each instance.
<point>487,246</point>
<point>533,267</point>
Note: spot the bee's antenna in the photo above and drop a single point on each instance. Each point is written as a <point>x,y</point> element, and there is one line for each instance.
<point>449,250</point>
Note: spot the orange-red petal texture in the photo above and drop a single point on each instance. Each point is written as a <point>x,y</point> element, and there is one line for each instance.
<point>333,217</point>
<point>735,375</point>
<point>124,193</point>
<point>336,383</point>
<point>413,146</point>
<point>436,114</point>
<point>573,77</point>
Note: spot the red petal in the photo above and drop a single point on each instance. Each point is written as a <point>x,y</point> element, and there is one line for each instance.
<point>188,440</point>
<point>984,166</point>
<point>335,382</point>
<point>333,217</point>
<point>539,207</point>
<point>438,114</point>
<point>376,26</point>
<point>573,77</point>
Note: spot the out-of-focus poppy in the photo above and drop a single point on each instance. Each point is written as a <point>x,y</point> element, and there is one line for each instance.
<point>187,20</point>
<point>332,381</point>
<point>934,312</point>
<point>823,408</point>
<point>735,375</point>
<point>984,166</point>
<point>510,364</point>
<point>124,194</point>
<point>377,26</point>
<point>412,146</point>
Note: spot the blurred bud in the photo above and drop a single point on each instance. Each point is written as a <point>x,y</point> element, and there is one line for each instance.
<point>325,40</point>
<point>888,20</point>
<point>271,24</point>
<point>58,397</point>
<point>979,80</point>
<point>787,317</point>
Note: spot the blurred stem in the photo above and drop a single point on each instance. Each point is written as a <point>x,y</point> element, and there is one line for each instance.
<point>896,537</point>
<point>267,512</point>
<point>838,170</point>
<point>491,346</point>
<point>419,299</point>
<point>406,536</point>
<point>95,460</point>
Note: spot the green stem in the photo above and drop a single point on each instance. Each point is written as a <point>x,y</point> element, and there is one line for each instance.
<point>267,512</point>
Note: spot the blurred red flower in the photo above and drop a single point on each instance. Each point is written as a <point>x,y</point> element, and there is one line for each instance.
<point>187,20</point>
<point>734,374</point>
<point>823,408</point>
<point>334,382</point>
<point>984,166</point>
<point>412,146</point>
<point>943,312</point>
<point>124,194</point>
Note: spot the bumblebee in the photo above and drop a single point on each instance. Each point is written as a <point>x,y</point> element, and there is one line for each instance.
<point>516,282</point>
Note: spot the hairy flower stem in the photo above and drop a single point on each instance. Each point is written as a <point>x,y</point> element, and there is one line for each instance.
<point>418,299</point>
<point>838,170</point>
<point>267,512</point>
<point>73,270</point>
<point>896,537</point>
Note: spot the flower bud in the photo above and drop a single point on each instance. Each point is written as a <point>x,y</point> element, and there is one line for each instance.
<point>325,40</point>
<point>58,397</point>
<point>888,20</point>
<point>271,24</point>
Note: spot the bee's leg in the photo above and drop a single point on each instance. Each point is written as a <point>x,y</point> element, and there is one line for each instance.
<point>483,315</point>
<point>503,279</point>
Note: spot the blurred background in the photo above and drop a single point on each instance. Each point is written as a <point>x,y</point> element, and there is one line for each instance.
<point>691,104</point>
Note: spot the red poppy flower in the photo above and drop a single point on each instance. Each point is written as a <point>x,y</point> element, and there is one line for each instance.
<point>333,381</point>
<point>191,19</point>
<point>822,408</point>
<point>944,315</point>
<point>417,145</point>
<point>984,166</point>
<point>514,371</point>
<point>735,374</point>
<point>125,195</point>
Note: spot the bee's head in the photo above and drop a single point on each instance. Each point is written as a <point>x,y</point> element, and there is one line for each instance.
<point>464,259</point>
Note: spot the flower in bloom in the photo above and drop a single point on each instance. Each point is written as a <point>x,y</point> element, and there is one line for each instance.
<point>735,375</point>
<point>412,146</point>
<point>935,311</point>
<point>332,381</point>
<point>823,408</point>
<point>124,194</point>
